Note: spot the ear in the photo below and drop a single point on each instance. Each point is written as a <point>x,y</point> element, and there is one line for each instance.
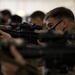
<point>39,21</point>
<point>38,18</point>
<point>65,23</point>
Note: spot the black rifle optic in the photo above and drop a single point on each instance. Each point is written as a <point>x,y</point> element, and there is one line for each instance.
<point>24,30</point>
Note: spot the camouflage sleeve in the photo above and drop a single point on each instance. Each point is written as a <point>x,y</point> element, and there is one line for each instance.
<point>38,62</point>
<point>27,70</point>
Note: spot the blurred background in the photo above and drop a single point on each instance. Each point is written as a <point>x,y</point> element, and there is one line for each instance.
<point>26,7</point>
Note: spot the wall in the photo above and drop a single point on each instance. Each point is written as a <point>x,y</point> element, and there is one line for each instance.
<point>30,6</point>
